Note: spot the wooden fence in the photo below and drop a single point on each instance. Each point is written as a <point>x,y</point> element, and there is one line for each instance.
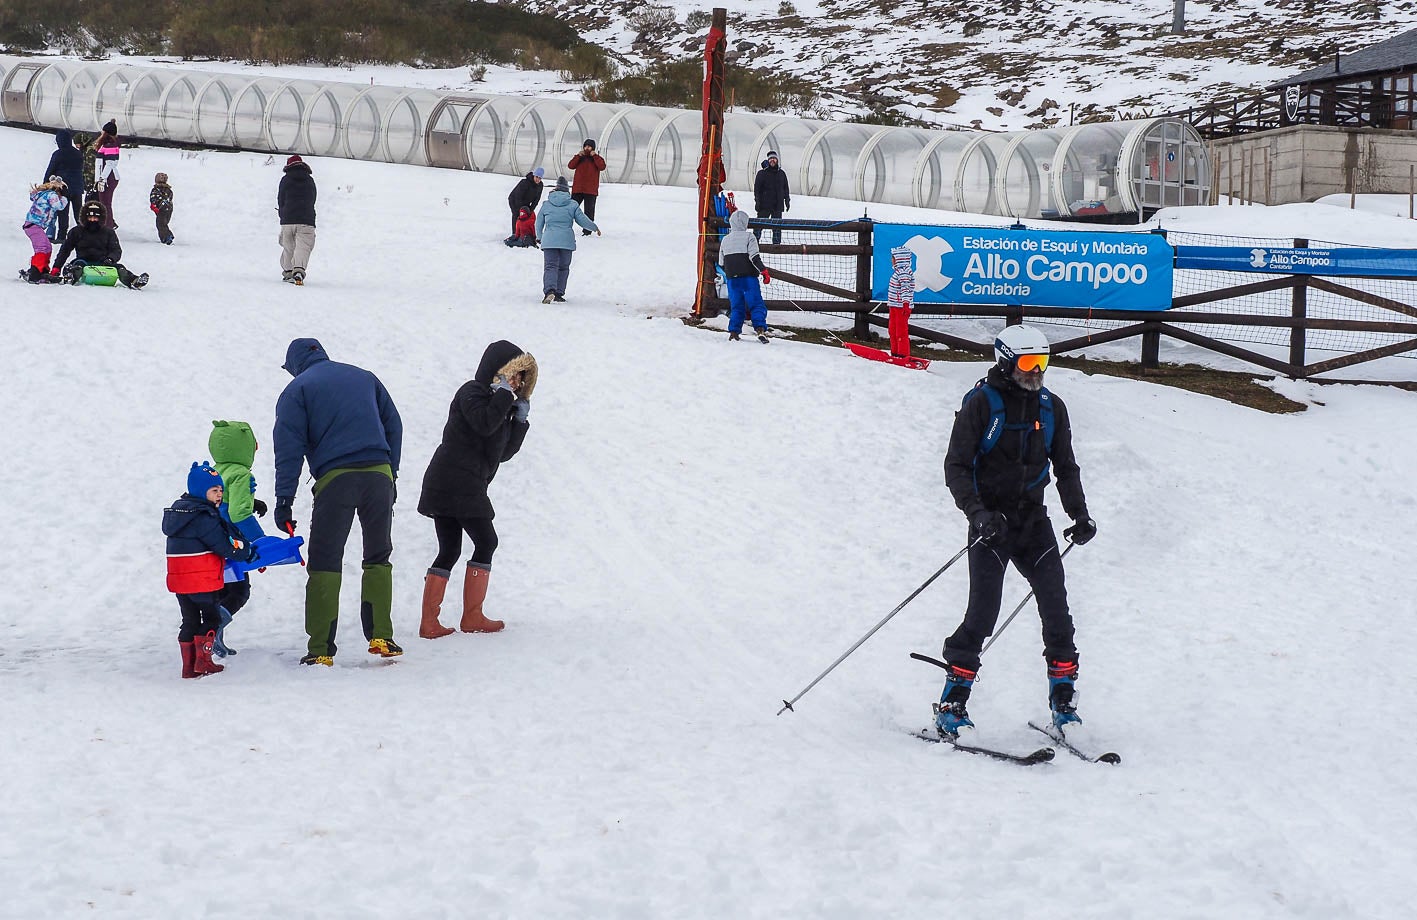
<point>1147,325</point>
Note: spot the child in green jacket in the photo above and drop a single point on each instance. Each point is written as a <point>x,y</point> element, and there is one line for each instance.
<point>233,448</point>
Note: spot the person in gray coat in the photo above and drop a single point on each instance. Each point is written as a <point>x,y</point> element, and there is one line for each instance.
<point>555,228</point>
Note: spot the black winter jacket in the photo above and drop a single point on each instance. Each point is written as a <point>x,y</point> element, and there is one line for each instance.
<point>999,482</point>
<point>91,242</point>
<point>480,435</point>
<point>68,164</point>
<point>770,192</point>
<point>295,199</point>
<point>525,194</point>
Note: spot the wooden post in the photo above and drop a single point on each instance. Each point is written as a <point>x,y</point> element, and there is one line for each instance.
<point>711,172</point>
<point>1150,350</point>
<point>862,326</point>
<point>1214,176</point>
<point>1300,311</point>
<point>1268,175</point>
<point>1230,173</point>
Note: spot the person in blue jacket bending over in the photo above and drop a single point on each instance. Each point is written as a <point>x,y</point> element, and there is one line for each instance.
<point>341,420</point>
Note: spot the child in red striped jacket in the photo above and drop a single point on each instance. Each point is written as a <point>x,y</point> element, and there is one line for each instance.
<point>199,540</point>
<point>900,297</point>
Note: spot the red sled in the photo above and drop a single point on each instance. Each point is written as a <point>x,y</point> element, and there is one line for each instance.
<point>876,354</point>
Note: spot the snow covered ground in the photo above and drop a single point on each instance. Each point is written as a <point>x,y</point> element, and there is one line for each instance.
<point>693,531</point>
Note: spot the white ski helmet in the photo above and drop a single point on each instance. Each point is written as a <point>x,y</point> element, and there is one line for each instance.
<point>1015,341</point>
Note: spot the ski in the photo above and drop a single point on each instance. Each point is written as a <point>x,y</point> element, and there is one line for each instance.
<point>1042,755</point>
<point>1062,741</point>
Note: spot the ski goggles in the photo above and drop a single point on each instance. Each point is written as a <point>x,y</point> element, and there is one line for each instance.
<point>1030,363</point>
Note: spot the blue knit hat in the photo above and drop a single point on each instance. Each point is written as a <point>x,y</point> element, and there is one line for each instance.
<point>200,478</point>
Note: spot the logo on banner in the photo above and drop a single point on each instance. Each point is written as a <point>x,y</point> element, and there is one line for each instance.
<point>929,257</point>
<point>1291,102</point>
<point>1258,258</point>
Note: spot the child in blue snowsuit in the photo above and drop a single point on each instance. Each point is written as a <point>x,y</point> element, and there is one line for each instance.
<point>742,263</point>
<point>199,540</point>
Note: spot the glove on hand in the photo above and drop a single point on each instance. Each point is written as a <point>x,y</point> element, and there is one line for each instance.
<point>1083,529</point>
<point>284,523</point>
<point>521,408</point>
<point>251,552</point>
<point>154,208</point>
<point>500,383</point>
<point>991,526</point>
<point>786,206</point>
<point>259,507</point>
<point>767,277</point>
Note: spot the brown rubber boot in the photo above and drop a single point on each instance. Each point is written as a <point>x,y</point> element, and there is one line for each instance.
<point>202,655</point>
<point>189,659</point>
<point>435,584</point>
<point>474,592</point>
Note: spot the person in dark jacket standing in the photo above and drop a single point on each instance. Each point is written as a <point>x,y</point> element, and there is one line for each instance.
<point>1005,435</point>
<point>94,244</point>
<point>340,418</point>
<point>525,194</point>
<point>67,163</point>
<point>487,424</point>
<point>585,181</point>
<point>771,196</point>
<point>295,200</point>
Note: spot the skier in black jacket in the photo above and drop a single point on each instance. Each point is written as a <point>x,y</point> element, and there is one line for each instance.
<point>487,423</point>
<point>771,196</point>
<point>67,163</point>
<point>94,244</point>
<point>996,469</point>
<point>526,194</point>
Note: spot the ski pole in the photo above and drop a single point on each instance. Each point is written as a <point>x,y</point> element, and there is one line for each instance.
<point>1025,600</point>
<point>787,704</point>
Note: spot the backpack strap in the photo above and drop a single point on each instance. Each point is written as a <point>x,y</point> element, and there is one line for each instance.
<point>997,424</point>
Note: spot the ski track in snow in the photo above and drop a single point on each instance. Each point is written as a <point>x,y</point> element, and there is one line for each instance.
<point>693,530</point>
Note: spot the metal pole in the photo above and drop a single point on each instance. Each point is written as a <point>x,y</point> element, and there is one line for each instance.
<point>787,704</point>
<point>1000,631</point>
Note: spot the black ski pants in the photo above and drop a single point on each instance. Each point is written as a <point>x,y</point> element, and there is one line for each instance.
<point>587,203</point>
<point>367,493</point>
<point>1033,549</point>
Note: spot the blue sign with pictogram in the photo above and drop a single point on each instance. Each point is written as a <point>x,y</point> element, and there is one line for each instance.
<point>1048,268</point>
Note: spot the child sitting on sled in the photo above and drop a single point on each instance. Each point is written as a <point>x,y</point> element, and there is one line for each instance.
<point>524,234</point>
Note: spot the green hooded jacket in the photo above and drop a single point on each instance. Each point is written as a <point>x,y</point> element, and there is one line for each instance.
<point>233,448</point>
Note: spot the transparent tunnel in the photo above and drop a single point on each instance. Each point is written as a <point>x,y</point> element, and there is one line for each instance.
<point>1082,171</point>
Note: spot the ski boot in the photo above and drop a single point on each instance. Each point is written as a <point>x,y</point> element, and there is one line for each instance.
<point>950,715</point>
<point>1061,693</point>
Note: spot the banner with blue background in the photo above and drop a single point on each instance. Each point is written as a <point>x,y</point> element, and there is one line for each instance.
<point>1340,261</point>
<point>1048,268</point>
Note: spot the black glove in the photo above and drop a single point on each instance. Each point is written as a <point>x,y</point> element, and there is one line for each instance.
<point>251,552</point>
<point>1083,529</point>
<point>283,520</point>
<point>259,507</point>
<point>991,526</point>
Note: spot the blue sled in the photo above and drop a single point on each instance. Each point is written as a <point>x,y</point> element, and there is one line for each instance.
<point>269,551</point>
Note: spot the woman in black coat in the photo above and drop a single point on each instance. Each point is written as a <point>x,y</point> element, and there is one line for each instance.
<point>486,427</point>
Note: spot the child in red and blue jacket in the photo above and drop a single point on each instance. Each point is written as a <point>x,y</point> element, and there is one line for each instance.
<point>199,539</point>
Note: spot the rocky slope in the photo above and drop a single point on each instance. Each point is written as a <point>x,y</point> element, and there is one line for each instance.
<point>1001,64</point>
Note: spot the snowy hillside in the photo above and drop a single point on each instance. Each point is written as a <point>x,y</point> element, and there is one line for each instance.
<point>693,531</point>
<point>1005,65</point>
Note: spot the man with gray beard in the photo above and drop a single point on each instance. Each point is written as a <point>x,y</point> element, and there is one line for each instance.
<point>1008,432</point>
